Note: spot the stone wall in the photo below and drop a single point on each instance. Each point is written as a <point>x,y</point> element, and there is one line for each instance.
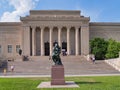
<point>10,34</point>
<point>105,30</point>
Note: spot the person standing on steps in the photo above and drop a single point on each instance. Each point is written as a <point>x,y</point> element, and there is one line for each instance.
<point>12,68</point>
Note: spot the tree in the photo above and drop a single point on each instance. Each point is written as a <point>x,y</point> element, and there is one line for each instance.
<point>98,47</point>
<point>113,49</point>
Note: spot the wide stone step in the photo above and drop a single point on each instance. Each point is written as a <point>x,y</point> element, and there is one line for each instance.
<point>73,65</point>
<point>62,57</point>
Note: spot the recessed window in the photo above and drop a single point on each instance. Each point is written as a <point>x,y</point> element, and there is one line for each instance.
<point>9,48</point>
<point>17,48</point>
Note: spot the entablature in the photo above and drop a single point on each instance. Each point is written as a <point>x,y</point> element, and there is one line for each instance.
<point>28,18</point>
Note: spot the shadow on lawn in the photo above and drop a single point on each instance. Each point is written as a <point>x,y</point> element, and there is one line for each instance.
<point>88,82</point>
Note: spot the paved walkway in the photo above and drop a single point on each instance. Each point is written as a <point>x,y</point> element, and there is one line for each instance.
<point>74,66</point>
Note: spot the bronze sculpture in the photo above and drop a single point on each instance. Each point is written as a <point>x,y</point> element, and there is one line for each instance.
<point>56,54</point>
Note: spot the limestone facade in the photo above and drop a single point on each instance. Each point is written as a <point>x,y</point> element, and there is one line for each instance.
<point>37,33</point>
<point>105,30</point>
<point>10,39</point>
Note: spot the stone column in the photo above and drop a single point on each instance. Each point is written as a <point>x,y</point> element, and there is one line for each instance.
<point>51,41</point>
<point>42,41</point>
<point>59,37</point>
<point>26,40</point>
<point>33,41</point>
<point>77,41</point>
<point>68,41</point>
<point>85,40</point>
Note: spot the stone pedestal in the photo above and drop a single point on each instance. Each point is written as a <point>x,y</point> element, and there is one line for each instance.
<point>57,75</point>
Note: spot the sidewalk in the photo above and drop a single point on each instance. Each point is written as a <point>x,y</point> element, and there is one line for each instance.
<point>29,76</point>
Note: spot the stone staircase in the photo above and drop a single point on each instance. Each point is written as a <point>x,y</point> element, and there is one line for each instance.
<point>73,65</point>
<point>62,57</point>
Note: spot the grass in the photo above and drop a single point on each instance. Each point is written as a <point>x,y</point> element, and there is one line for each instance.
<point>85,83</point>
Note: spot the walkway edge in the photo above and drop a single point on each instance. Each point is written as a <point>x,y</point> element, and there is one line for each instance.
<point>30,76</point>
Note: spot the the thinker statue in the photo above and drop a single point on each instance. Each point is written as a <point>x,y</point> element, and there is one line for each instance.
<point>56,54</point>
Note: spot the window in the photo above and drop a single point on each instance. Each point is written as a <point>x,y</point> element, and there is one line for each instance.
<point>17,48</point>
<point>9,48</point>
<point>0,48</point>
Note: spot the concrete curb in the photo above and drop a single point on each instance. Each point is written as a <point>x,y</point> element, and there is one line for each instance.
<point>30,76</point>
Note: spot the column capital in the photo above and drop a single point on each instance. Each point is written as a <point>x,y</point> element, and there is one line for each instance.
<point>59,27</point>
<point>42,27</point>
<point>68,30</point>
<point>33,27</point>
<point>77,27</point>
<point>68,27</point>
<point>51,27</point>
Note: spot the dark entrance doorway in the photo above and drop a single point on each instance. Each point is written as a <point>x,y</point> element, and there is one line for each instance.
<point>64,48</point>
<point>47,49</point>
<point>55,43</point>
<point>64,45</point>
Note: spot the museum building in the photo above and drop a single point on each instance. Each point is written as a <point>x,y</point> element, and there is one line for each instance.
<point>37,33</point>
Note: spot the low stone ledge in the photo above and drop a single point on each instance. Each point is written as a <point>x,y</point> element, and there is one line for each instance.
<point>115,63</point>
<point>69,84</point>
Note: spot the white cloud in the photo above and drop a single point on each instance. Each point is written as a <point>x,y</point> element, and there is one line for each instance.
<point>93,13</point>
<point>21,7</point>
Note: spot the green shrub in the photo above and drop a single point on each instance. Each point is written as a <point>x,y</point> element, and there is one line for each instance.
<point>113,49</point>
<point>98,47</point>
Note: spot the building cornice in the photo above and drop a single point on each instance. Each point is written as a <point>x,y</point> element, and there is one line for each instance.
<point>55,12</point>
<point>10,23</point>
<point>56,18</point>
<point>104,23</point>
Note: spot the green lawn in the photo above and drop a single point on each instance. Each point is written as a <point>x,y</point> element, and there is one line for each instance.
<point>85,83</point>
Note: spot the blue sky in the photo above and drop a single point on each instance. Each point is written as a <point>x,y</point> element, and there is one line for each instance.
<point>98,10</point>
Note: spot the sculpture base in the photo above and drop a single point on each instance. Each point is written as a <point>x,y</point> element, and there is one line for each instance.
<point>57,75</point>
